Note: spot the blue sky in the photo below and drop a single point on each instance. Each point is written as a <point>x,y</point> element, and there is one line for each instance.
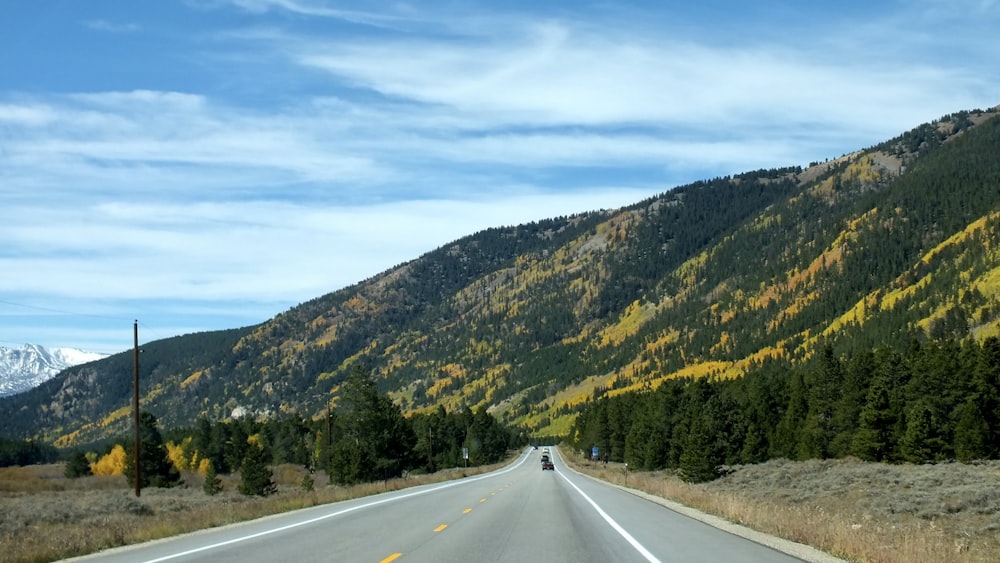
<point>200,165</point>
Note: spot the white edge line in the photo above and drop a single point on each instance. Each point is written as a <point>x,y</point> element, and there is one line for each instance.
<point>628,537</point>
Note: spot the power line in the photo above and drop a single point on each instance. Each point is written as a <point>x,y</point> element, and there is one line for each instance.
<point>69,313</point>
<point>64,311</point>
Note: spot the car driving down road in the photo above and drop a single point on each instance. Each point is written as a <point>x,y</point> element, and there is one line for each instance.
<point>547,461</point>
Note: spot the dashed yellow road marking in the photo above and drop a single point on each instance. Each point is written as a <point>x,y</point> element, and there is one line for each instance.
<point>441,527</point>
<point>392,557</point>
<point>482,500</point>
<point>467,510</point>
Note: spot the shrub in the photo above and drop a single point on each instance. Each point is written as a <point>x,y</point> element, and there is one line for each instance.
<point>77,466</point>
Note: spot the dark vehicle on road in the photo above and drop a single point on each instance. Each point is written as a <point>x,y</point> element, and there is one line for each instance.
<point>547,463</point>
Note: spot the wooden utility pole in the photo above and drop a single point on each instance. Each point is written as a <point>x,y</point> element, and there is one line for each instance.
<point>135,407</point>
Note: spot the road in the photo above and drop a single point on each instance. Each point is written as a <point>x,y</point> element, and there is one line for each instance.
<point>519,513</point>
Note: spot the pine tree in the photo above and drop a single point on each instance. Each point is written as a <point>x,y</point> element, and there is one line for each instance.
<point>825,387</point>
<point>255,476</point>
<point>155,468</point>
<point>847,414</point>
<point>787,433</point>
<point>346,463</point>
<point>987,393</point>
<point>212,485</point>
<point>921,442</point>
<point>697,462</point>
<point>972,433</point>
<point>874,438</point>
<point>377,441</point>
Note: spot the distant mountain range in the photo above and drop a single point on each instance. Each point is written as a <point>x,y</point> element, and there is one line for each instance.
<point>880,248</point>
<point>31,365</point>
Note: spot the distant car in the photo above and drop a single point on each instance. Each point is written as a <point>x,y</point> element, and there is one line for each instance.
<point>547,463</point>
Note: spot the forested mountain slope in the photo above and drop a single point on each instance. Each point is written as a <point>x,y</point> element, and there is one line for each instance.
<point>878,248</point>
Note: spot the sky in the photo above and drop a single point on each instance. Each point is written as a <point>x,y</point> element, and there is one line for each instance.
<point>200,165</point>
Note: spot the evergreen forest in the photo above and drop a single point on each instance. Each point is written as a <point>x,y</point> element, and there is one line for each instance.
<point>937,401</point>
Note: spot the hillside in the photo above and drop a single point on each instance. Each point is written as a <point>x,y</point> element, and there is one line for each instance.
<point>876,248</point>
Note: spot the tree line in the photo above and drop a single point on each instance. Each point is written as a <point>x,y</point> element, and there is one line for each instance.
<point>936,401</point>
<point>364,438</point>
<point>25,452</point>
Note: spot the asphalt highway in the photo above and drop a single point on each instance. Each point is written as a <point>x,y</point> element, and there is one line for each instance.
<point>517,514</point>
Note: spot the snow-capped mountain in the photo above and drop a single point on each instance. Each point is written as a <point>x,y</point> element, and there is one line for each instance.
<point>31,365</point>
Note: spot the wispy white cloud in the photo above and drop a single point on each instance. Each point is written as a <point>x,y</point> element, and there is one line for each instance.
<point>311,8</point>
<point>551,74</point>
<point>26,114</point>
<point>112,27</point>
<point>202,209</point>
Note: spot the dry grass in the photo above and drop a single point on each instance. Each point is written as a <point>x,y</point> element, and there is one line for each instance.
<point>45,516</point>
<point>857,511</point>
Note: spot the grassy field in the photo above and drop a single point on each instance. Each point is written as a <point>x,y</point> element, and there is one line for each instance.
<point>857,511</point>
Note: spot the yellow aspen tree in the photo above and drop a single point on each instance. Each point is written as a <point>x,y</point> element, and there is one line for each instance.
<point>113,463</point>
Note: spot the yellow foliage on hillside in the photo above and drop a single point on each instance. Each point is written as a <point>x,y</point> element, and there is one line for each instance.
<point>893,297</point>
<point>192,378</point>
<point>439,386</point>
<point>832,256</point>
<point>767,353</point>
<point>69,440</point>
<point>966,233</point>
<point>687,273</point>
<point>725,370</point>
<point>113,463</point>
<point>628,324</point>
<point>723,345</point>
<point>855,315</point>
<point>989,283</point>
<point>864,169</point>
<point>115,415</point>
<point>347,363</point>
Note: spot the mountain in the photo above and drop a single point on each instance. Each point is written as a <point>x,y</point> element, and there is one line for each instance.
<point>878,248</point>
<point>31,365</point>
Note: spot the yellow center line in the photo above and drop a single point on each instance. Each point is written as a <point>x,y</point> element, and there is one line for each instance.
<point>441,527</point>
<point>392,557</point>
<point>467,510</point>
<point>482,500</point>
